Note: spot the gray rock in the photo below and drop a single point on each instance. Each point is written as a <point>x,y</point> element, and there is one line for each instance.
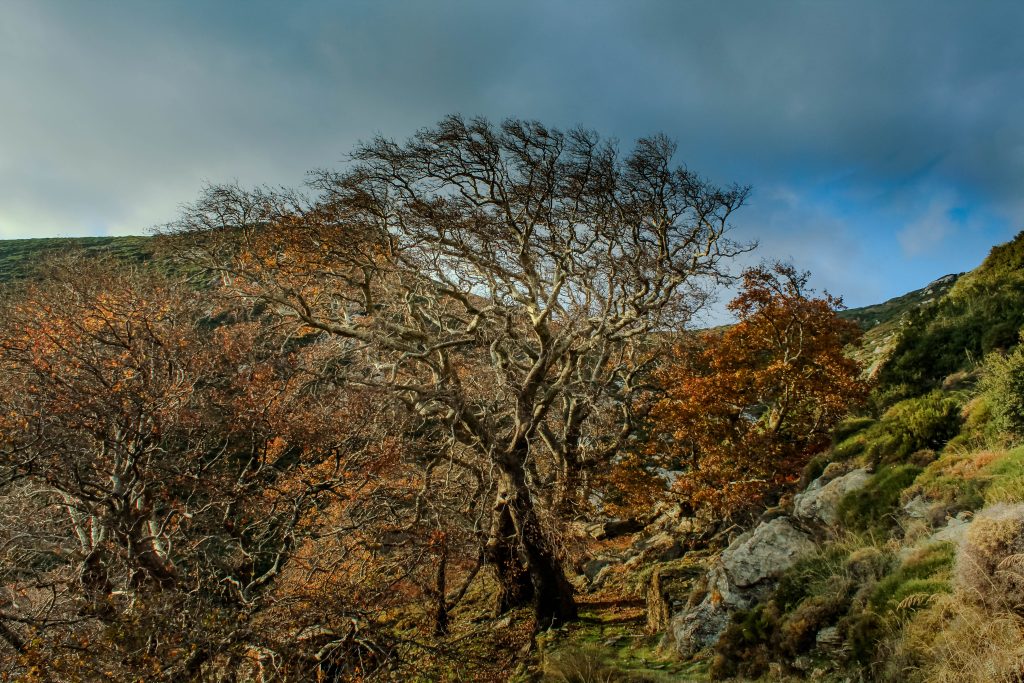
<point>742,575</point>
<point>764,553</point>
<point>954,530</point>
<point>660,547</point>
<point>828,638</point>
<point>700,624</point>
<point>917,507</point>
<point>819,502</point>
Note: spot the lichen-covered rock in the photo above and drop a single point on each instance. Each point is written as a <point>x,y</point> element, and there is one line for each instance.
<point>701,623</point>
<point>764,553</point>
<point>918,508</point>
<point>819,502</point>
<point>741,576</point>
<point>954,530</point>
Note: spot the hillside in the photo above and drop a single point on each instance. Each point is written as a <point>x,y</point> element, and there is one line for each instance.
<point>900,560</point>
<point>17,257</point>
<point>881,322</point>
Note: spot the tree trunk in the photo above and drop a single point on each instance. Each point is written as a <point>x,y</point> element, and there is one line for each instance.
<point>502,552</point>
<point>440,589</point>
<point>552,593</point>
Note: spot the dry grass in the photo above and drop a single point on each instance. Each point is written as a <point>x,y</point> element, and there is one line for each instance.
<point>986,571</point>
<point>954,640</point>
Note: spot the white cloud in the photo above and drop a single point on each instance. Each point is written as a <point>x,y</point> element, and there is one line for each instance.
<point>928,230</point>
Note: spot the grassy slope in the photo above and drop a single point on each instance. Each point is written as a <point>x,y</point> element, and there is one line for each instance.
<point>18,257</point>
<point>881,322</point>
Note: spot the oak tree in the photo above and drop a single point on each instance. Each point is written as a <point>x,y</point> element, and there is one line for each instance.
<point>745,408</point>
<point>501,281</point>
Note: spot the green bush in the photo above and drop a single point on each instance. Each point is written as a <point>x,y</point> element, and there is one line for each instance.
<point>873,507</point>
<point>912,425</point>
<point>915,424</point>
<point>924,572</point>
<point>862,631</point>
<point>746,646</point>
<point>1003,384</point>
<point>850,426</point>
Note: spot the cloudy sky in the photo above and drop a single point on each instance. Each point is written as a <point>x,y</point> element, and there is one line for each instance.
<point>884,140</point>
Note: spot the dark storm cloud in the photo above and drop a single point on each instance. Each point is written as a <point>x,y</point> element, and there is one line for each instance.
<point>883,139</point>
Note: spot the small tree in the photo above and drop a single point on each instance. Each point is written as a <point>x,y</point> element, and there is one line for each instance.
<point>745,408</point>
<point>499,281</point>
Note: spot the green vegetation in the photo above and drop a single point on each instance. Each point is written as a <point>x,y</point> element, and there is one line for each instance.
<point>18,258</point>
<point>889,598</point>
<point>983,312</point>
<point>873,507</point>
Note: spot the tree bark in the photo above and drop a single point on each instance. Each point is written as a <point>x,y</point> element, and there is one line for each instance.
<point>502,552</point>
<point>553,600</point>
<point>440,590</point>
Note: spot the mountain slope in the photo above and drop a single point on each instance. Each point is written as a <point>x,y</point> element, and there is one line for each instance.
<point>19,257</point>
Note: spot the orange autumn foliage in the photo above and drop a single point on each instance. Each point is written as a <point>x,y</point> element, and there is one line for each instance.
<point>744,409</point>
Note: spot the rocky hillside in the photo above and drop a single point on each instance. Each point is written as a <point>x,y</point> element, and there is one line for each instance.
<point>901,558</point>
<point>882,322</point>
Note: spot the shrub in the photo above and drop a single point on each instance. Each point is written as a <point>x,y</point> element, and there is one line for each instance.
<point>850,426</point>
<point>862,631</point>
<point>926,572</point>
<point>873,507</point>
<point>955,641</point>
<point>918,423</point>
<point>744,648</point>
<point>798,630</point>
<point>988,568</point>
<point>1003,384</point>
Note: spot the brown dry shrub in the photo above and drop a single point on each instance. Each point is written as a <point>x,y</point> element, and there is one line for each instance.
<point>957,641</point>
<point>988,571</point>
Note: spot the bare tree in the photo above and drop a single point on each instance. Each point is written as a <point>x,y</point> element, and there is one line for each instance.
<point>163,463</point>
<point>501,280</point>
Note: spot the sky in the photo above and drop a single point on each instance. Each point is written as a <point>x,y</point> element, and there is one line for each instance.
<point>883,139</point>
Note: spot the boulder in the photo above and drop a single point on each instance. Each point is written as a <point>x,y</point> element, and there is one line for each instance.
<point>660,547</point>
<point>742,575</point>
<point>954,530</point>
<point>764,553</point>
<point>819,502</point>
<point>918,508</point>
<point>704,619</point>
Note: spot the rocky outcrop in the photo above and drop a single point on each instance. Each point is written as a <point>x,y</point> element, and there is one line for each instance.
<point>746,571</point>
<point>819,503</point>
<point>742,575</point>
<point>764,553</point>
<point>670,587</point>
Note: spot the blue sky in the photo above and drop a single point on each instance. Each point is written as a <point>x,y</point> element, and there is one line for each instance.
<point>883,139</point>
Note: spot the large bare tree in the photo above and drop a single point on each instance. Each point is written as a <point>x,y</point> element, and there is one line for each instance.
<point>505,282</point>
